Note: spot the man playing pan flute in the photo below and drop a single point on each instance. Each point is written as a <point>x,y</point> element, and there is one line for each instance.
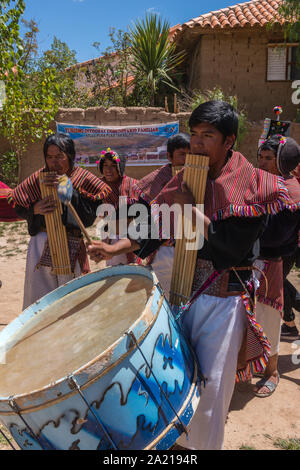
<point>143,191</point>
<point>147,189</point>
<point>150,186</point>
<point>220,313</point>
<point>88,192</point>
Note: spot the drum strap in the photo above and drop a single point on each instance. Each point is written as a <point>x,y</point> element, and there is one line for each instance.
<point>74,384</point>
<point>17,410</point>
<point>183,427</point>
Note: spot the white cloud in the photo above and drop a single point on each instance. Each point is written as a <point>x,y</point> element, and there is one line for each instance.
<point>153,10</point>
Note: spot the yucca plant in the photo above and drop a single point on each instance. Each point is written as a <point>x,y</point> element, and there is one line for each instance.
<point>154,56</point>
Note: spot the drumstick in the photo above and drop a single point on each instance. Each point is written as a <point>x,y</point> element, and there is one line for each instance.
<point>65,191</point>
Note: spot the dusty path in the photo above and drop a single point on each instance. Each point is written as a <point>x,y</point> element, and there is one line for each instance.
<point>253,423</point>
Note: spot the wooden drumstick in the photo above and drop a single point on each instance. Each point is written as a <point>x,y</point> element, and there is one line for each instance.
<point>65,192</point>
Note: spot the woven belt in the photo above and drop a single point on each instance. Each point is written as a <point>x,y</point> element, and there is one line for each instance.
<point>220,287</point>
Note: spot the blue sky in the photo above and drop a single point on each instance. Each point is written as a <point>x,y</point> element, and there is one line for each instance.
<point>80,23</point>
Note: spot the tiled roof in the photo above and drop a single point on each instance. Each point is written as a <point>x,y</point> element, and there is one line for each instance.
<point>253,13</point>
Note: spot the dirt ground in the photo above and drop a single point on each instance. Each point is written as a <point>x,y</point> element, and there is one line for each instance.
<point>253,423</point>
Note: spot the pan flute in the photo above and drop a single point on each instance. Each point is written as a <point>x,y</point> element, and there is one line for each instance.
<point>195,177</point>
<point>176,169</point>
<point>56,232</point>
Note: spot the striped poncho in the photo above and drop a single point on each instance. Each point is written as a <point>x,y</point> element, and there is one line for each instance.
<point>124,188</point>
<point>152,184</point>
<point>240,191</point>
<point>87,184</point>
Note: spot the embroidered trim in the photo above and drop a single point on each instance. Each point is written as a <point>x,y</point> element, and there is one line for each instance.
<point>258,363</point>
<point>257,210</point>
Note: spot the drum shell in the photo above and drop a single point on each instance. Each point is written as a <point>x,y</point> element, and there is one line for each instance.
<point>120,385</point>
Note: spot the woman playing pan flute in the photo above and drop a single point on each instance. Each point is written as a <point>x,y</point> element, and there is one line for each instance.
<point>238,198</point>
<point>88,192</point>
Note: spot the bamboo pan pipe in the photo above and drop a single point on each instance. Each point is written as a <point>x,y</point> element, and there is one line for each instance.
<point>56,232</point>
<point>176,169</point>
<point>195,177</point>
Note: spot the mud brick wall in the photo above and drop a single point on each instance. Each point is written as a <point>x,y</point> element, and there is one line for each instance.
<point>33,158</point>
<point>237,62</point>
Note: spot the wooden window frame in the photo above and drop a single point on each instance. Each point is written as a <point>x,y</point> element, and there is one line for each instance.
<point>288,64</point>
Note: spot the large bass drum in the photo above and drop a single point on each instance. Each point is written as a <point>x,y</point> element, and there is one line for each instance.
<point>99,363</point>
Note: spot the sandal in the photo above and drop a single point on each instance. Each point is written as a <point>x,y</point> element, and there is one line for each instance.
<point>271,386</point>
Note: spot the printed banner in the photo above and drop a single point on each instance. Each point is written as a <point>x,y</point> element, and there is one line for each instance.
<point>141,145</point>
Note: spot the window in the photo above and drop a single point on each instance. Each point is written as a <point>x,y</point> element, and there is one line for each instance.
<point>282,62</point>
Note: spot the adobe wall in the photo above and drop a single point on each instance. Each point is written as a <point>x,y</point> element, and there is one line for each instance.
<point>33,159</point>
<point>237,62</point>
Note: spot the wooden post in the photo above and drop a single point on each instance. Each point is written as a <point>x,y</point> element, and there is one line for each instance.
<point>166,104</point>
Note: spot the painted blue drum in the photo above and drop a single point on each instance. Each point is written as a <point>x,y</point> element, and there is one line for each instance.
<point>140,393</point>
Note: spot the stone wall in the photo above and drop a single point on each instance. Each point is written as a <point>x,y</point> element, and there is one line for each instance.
<point>33,159</point>
<point>237,62</point>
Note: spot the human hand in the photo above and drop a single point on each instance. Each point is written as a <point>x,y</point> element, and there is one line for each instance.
<point>100,251</point>
<point>184,196</point>
<point>44,206</point>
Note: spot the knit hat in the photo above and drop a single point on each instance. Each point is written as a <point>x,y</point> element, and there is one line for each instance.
<point>288,155</point>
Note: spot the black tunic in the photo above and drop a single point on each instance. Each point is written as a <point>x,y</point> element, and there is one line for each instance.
<point>280,239</point>
<point>232,242</point>
<point>85,208</point>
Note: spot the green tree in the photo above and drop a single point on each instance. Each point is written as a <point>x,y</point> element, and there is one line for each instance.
<point>155,59</point>
<point>189,102</point>
<point>59,59</point>
<point>11,45</point>
<point>109,79</point>
<point>28,110</point>
<point>290,10</point>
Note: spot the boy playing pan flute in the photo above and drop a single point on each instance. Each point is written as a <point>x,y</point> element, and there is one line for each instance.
<point>238,198</point>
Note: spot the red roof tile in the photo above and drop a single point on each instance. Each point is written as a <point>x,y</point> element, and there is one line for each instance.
<point>253,13</point>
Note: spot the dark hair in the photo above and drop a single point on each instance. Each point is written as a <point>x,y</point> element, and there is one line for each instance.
<point>64,143</point>
<point>271,144</point>
<point>108,156</point>
<point>220,114</point>
<point>178,141</point>
<point>286,151</point>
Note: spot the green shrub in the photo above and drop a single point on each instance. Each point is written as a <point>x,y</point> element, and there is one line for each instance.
<point>9,168</point>
<point>190,102</point>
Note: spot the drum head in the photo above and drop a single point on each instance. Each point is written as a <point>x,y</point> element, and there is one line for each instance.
<point>72,331</point>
